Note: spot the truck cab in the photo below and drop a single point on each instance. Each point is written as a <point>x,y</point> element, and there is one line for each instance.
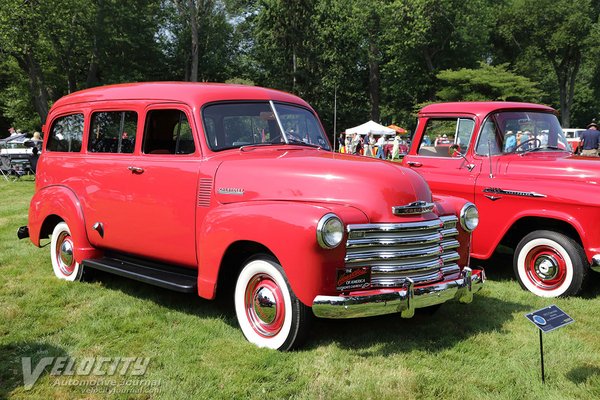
<point>512,160</point>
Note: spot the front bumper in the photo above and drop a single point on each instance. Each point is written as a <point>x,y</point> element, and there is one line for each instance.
<point>596,263</point>
<point>404,300</point>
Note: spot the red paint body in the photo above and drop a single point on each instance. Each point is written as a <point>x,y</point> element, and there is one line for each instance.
<point>174,211</point>
<point>569,183</point>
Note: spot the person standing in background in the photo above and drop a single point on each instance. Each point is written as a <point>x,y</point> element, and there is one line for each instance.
<point>589,140</point>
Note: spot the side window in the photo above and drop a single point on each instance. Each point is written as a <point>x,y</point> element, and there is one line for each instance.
<point>66,134</point>
<point>488,140</point>
<point>446,137</point>
<point>113,132</point>
<point>168,132</point>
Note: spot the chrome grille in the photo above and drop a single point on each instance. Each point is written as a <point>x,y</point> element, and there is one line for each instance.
<point>423,251</point>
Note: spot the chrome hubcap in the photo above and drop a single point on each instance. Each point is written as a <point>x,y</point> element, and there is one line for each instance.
<point>64,256</point>
<point>546,267</point>
<point>265,305</point>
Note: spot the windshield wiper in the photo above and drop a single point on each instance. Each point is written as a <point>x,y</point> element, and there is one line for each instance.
<point>543,148</point>
<point>302,143</point>
<point>249,146</point>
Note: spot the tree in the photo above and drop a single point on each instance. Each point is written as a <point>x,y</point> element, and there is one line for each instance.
<point>423,37</point>
<point>554,34</point>
<point>486,83</point>
<point>20,39</point>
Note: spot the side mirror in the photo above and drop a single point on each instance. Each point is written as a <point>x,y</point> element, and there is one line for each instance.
<point>454,152</point>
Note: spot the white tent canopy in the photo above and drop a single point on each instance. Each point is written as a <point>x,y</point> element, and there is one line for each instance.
<point>371,128</point>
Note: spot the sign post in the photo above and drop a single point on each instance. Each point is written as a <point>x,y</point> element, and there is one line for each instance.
<point>548,319</point>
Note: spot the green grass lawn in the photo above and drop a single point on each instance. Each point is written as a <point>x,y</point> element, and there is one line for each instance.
<point>487,349</point>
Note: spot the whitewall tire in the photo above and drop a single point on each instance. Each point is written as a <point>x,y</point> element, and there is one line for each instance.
<point>267,310</point>
<point>550,264</point>
<point>62,254</point>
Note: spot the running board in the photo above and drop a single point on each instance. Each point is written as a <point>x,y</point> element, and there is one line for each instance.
<point>168,277</point>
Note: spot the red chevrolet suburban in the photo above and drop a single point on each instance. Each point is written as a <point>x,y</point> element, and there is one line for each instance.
<point>211,187</point>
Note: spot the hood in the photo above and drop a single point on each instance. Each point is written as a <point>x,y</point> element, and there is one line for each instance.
<point>555,165</point>
<point>309,175</point>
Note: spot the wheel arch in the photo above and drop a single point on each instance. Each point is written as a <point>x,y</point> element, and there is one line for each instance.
<point>524,225</point>
<point>52,205</point>
<point>233,261</point>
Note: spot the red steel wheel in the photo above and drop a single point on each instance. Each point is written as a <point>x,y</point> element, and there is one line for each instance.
<point>550,264</point>
<point>62,254</point>
<point>269,313</point>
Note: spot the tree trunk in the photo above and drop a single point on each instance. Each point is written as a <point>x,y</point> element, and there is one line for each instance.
<point>37,87</point>
<point>374,81</point>
<point>94,69</point>
<point>193,7</point>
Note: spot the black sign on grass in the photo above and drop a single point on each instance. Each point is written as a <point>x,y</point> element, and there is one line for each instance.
<point>548,319</point>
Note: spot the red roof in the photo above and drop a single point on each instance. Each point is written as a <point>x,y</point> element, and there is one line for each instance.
<point>480,108</point>
<point>178,91</point>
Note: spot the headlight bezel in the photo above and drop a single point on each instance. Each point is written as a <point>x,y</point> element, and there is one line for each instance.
<point>463,218</point>
<point>323,236</point>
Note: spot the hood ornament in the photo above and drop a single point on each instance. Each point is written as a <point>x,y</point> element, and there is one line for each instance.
<point>416,207</point>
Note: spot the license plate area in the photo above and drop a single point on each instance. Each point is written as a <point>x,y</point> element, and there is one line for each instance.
<point>353,278</point>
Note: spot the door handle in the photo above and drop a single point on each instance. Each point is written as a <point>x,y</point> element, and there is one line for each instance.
<point>415,164</point>
<point>136,170</point>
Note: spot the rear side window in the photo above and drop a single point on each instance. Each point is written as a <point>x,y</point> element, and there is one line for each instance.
<point>168,132</point>
<point>66,134</point>
<point>113,132</point>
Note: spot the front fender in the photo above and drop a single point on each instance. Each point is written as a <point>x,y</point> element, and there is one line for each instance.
<point>61,202</point>
<point>493,239</point>
<point>287,229</point>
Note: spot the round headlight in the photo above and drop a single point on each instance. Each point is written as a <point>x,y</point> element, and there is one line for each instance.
<point>469,217</point>
<point>330,231</point>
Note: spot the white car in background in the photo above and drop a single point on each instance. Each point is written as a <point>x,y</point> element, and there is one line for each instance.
<point>572,135</point>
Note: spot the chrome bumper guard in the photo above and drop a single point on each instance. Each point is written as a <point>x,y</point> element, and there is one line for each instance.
<point>404,300</point>
<point>596,263</point>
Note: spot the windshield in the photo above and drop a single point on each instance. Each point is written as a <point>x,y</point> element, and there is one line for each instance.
<point>234,125</point>
<point>521,132</point>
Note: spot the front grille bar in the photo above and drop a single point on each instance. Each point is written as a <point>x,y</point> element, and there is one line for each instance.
<point>424,251</point>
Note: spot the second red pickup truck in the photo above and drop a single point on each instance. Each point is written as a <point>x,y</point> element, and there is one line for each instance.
<point>513,161</point>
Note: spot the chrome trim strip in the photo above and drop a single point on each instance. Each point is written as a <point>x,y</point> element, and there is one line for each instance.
<point>449,219</point>
<point>407,268</point>
<point>394,241</point>
<point>416,207</point>
<point>449,232</point>
<point>279,124</point>
<point>450,269</point>
<point>374,256</point>
<point>396,281</point>
<point>450,256</point>
<point>596,263</point>
<point>403,300</point>
<point>401,227</point>
<point>450,244</point>
<point>513,192</point>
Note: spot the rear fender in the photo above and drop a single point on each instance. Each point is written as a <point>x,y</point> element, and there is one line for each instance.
<point>62,203</point>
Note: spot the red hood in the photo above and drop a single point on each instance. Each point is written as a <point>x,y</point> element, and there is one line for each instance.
<point>555,165</point>
<point>309,175</point>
